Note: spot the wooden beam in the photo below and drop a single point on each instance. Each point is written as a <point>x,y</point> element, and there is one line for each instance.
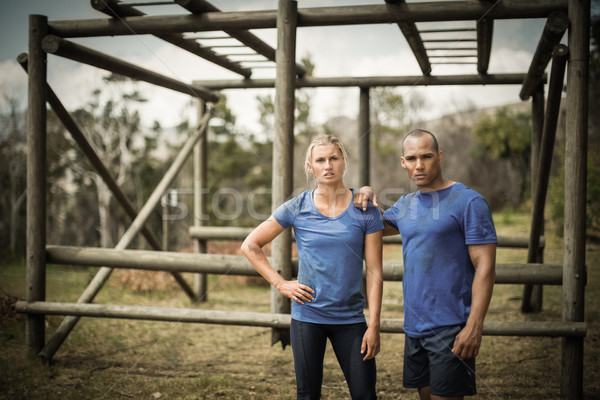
<point>120,10</point>
<point>238,265</point>
<point>555,28</point>
<point>200,200</point>
<point>574,274</point>
<point>321,16</point>
<point>283,150</point>
<point>239,233</point>
<point>412,35</point>
<point>485,32</point>
<point>274,320</point>
<point>243,36</point>
<point>373,81</point>
<point>546,152</point>
<point>364,138</point>
<point>64,48</point>
<point>36,183</point>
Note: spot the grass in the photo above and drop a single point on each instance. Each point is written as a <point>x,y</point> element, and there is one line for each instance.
<point>125,359</point>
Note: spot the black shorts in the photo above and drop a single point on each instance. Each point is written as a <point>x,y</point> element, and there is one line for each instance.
<point>430,362</point>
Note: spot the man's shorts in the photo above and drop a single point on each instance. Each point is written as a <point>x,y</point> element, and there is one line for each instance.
<point>429,362</point>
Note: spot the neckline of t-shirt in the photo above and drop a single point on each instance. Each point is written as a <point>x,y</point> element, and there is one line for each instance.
<point>312,201</point>
<point>429,193</point>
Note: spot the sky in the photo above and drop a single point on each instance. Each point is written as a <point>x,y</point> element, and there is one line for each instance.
<point>357,50</point>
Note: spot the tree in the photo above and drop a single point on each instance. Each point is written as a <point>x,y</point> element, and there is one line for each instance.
<point>506,135</point>
<point>12,179</point>
<point>112,125</point>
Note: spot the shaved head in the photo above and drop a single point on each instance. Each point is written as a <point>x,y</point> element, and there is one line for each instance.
<point>418,133</point>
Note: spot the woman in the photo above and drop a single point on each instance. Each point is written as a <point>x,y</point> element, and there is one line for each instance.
<point>332,237</point>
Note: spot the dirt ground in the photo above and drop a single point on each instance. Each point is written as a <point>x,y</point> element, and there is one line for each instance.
<point>126,359</point>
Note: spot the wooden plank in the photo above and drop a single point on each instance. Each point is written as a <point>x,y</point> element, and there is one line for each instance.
<point>274,320</point>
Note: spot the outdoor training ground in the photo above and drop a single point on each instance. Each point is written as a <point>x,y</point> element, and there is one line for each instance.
<point>126,359</point>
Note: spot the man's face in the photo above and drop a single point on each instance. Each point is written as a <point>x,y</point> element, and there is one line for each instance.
<point>421,161</point>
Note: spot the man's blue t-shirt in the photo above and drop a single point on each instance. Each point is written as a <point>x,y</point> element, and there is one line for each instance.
<point>330,252</point>
<point>436,228</point>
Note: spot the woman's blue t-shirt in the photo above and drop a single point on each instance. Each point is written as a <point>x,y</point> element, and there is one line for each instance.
<point>330,252</point>
<point>436,229</point>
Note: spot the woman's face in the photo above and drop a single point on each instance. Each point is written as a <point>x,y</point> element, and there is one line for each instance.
<point>327,164</point>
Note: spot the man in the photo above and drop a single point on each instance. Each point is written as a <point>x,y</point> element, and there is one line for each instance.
<point>449,250</point>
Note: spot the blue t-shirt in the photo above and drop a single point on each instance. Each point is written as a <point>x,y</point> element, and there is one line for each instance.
<point>331,251</point>
<point>436,228</point>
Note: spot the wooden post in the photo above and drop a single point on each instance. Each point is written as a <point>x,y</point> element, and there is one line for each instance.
<point>544,162</point>
<point>283,150</point>
<point>36,182</point>
<point>364,138</point>
<point>200,192</point>
<point>537,113</point>
<point>574,275</point>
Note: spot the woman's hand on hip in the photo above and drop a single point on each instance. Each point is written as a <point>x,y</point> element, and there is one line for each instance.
<point>296,291</point>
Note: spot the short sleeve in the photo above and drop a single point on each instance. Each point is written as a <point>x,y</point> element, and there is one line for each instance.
<point>390,216</point>
<point>373,219</point>
<point>478,223</point>
<point>286,213</point>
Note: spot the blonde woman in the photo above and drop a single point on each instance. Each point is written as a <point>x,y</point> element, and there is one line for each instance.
<point>333,238</point>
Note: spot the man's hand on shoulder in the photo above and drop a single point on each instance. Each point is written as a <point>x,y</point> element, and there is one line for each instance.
<point>363,196</point>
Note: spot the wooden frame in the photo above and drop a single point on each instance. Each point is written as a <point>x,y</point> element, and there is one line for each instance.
<point>287,19</point>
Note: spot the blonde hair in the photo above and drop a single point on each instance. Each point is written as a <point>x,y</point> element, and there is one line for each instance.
<point>323,140</point>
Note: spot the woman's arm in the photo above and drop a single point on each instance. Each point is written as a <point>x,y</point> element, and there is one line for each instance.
<point>373,248</point>
<point>253,250</point>
<point>361,200</point>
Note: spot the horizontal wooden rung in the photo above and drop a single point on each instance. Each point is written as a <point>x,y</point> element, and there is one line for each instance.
<point>272,320</point>
<point>393,270</point>
<point>238,233</point>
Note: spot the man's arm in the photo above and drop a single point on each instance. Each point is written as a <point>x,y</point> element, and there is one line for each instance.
<point>468,341</point>
<point>361,200</point>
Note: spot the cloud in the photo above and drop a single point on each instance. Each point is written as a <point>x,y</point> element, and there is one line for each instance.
<point>13,81</point>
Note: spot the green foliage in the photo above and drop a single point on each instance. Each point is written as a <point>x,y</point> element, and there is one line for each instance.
<point>303,97</point>
<point>557,198</point>
<point>389,119</point>
<point>505,135</point>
